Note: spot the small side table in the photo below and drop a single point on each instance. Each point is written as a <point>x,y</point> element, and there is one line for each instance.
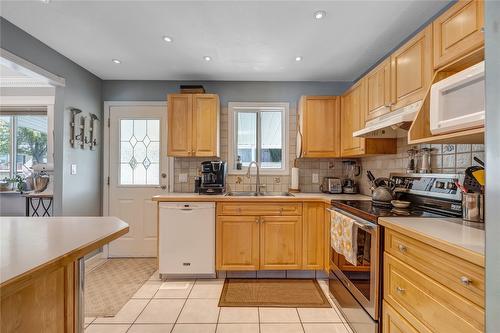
<point>40,203</point>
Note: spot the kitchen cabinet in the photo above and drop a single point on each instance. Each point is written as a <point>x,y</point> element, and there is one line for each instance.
<point>352,118</point>
<point>269,236</point>
<point>378,90</point>
<point>319,126</point>
<point>280,242</point>
<point>458,31</point>
<point>237,242</point>
<point>193,125</point>
<point>432,288</point>
<point>353,112</point>
<point>411,70</point>
<point>313,219</point>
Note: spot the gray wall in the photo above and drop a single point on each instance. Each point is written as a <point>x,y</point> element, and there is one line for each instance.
<point>492,35</point>
<point>74,194</point>
<point>228,91</point>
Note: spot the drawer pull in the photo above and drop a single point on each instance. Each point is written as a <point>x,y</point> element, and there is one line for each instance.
<point>400,290</point>
<point>402,248</point>
<point>465,280</point>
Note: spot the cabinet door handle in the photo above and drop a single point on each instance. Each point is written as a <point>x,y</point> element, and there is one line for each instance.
<point>400,290</point>
<point>465,280</point>
<point>257,220</point>
<point>402,248</point>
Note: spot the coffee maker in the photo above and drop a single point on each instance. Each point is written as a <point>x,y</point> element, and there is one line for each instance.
<point>213,177</point>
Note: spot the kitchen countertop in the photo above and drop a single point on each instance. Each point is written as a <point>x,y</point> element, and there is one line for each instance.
<point>447,234</point>
<point>31,243</point>
<point>296,197</point>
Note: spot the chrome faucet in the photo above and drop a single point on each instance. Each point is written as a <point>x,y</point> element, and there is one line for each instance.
<point>257,183</point>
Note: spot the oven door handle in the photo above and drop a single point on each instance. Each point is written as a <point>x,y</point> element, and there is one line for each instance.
<point>362,224</point>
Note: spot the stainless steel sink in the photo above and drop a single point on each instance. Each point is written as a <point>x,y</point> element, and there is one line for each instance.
<point>261,194</point>
<point>241,194</point>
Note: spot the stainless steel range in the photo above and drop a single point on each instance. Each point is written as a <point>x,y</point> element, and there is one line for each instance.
<point>357,289</point>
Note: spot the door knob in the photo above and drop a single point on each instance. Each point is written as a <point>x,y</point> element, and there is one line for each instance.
<point>163,175</point>
<point>163,187</point>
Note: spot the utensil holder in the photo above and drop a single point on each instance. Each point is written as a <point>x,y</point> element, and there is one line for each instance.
<point>473,207</point>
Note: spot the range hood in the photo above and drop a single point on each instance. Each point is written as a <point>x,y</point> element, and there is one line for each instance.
<point>391,125</point>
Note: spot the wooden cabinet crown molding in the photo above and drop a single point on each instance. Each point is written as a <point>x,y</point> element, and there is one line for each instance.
<point>458,31</point>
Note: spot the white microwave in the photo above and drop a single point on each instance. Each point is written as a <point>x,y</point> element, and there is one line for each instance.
<point>458,102</point>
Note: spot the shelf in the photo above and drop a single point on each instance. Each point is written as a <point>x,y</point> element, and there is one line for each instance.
<point>420,129</point>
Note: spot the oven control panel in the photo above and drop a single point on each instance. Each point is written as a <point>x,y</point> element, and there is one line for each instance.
<point>438,185</point>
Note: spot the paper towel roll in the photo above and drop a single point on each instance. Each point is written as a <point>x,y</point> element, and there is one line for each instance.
<point>295,179</point>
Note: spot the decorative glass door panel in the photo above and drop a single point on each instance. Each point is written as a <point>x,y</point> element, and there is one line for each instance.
<point>139,152</point>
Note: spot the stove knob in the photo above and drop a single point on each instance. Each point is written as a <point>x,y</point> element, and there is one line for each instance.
<point>451,186</point>
<point>439,184</point>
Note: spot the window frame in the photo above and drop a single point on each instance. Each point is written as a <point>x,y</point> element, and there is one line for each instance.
<point>258,107</point>
<point>49,113</point>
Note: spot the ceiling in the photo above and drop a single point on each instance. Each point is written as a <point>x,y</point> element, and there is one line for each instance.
<point>247,40</point>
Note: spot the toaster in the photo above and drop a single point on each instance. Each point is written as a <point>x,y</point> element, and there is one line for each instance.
<point>331,185</point>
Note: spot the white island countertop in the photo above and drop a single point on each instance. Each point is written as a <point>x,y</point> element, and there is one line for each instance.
<point>448,234</point>
<point>29,243</point>
<point>177,196</point>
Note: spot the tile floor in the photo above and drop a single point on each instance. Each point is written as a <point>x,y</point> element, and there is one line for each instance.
<point>190,306</point>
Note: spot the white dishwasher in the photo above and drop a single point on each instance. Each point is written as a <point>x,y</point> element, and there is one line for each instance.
<point>187,239</point>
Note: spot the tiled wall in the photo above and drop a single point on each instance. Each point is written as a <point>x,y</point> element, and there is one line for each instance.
<point>445,158</point>
<point>323,167</point>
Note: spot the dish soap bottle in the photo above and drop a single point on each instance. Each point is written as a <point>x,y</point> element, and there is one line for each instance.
<point>238,163</point>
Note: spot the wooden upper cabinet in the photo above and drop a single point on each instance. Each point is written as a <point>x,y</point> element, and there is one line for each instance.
<point>411,69</point>
<point>458,31</point>
<point>280,242</point>
<point>319,126</point>
<point>378,90</point>
<point>180,119</point>
<point>206,125</point>
<point>352,118</point>
<point>193,125</point>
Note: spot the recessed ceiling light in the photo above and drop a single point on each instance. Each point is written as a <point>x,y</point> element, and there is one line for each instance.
<point>168,39</point>
<point>45,1</point>
<point>319,14</point>
<point>207,58</point>
<point>299,58</point>
<point>116,61</point>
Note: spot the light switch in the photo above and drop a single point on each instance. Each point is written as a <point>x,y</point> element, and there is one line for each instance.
<point>315,178</point>
<point>73,169</point>
<point>183,178</point>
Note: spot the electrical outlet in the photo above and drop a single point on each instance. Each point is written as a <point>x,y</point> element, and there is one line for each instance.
<point>315,178</point>
<point>73,169</point>
<point>183,178</point>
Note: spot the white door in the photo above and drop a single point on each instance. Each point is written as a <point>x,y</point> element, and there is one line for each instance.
<point>137,172</point>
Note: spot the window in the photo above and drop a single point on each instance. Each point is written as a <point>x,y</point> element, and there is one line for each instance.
<point>258,132</point>
<point>23,141</point>
<point>139,152</point>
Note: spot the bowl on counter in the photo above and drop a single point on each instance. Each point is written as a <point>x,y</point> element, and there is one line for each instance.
<point>400,203</point>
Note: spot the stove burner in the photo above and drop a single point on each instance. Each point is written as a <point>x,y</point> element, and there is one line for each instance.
<point>381,204</point>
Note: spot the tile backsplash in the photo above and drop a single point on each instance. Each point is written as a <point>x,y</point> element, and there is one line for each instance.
<point>445,158</point>
<point>308,167</point>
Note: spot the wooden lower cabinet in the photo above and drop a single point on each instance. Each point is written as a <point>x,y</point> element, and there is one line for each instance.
<point>41,303</point>
<point>270,236</point>
<point>313,241</point>
<point>280,242</point>
<point>393,322</point>
<point>237,245</point>
<point>420,293</point>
